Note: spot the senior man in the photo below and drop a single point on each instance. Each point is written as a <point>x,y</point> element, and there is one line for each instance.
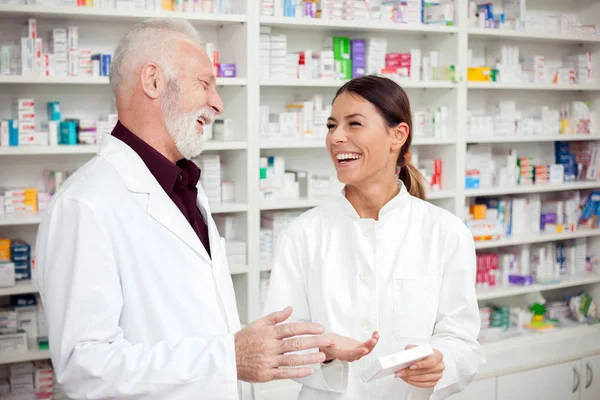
<point>133,273</point>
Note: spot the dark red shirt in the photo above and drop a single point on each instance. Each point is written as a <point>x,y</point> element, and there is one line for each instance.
<point>177,180</point>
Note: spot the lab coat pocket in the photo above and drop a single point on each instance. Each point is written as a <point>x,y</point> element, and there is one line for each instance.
<point>415,308</point>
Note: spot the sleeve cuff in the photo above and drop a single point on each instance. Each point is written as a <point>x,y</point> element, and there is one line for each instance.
<point>335,375</point>
<point>452,381</point>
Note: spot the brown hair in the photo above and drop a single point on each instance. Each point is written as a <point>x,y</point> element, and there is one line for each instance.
<point>392,103</point>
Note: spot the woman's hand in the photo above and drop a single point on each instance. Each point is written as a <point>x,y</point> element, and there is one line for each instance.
<point>348,349</point>
<point>425,373</point>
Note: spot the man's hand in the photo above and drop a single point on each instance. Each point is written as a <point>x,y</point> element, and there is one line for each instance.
<point>348,349</point>
<point>425,373</point>
<point>260,348</point>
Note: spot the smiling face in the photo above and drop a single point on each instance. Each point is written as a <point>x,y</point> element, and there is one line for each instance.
<point>361,145</point>
<point>191,100</point>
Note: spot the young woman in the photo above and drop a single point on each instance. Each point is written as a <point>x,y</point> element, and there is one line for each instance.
<point>379,267</point>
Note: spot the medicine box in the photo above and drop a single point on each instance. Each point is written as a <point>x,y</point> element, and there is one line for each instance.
<point>479,74</point>
<point>4,388</point>
<point>4,249</point>
<point>341,48</point>
<point>21,368</point>
<point>24,379</point>
<point>24,105</point>
<point>13,342</point>
<point>24,389</point>
<point>7,274</point>
<point>385,366</point>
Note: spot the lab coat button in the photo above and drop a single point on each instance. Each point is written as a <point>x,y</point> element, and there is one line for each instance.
<point>365,276</point>
<point>368,231</point>
<point>367,324</point>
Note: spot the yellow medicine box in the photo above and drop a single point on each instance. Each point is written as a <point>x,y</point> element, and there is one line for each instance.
<point>4,249</point>
<point>479,211</point>
<point>479,74</point>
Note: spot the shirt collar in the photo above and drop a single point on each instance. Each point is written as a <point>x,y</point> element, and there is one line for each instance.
<point>163,170</point>
<point>397,203</point>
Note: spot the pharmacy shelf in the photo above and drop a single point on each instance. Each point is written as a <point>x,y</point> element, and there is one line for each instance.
<point>89,80</point>
<point>20,220</point>
<point>238,269</point>
<point>513,290</point>
<point>336,83</point>
<point>217,208</point>
<point>291,204</point>
<point>293,144</point>
<point>45,150</point>
<point>532,139</point>
<point>343,25</point>
<point>22,287</point>
<point>93,149</point>
<point>440,194</point>
<point>224,145</point>
<point>114,15</point>
<point>30,355</point>
<point>309,203</point>
<point>432,141</point>
<point>532,86</point>
<point>538,188</point>
<point>265,265</point>
<point>531,36</point>
<point>528,338</point>
<point>224,208</point>
<point>537,238</point>
<point>54,80</point>
<point>320,143</point>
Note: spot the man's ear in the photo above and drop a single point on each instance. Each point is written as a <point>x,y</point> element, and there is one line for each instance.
<point>151,80</point>
<point>399,136</point>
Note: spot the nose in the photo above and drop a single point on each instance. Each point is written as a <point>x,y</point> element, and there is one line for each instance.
<point>215,102</point>
<point>338,135</point>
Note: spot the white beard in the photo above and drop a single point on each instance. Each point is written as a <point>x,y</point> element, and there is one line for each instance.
<point>182,126</point>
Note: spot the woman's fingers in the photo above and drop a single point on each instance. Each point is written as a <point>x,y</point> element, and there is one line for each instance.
<point>433,377</point>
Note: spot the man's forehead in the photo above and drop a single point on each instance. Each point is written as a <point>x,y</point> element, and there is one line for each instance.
<point>193,55</point>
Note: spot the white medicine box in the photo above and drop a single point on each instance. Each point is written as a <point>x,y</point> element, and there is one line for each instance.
<point>13,342</point>
<point>7,274</point>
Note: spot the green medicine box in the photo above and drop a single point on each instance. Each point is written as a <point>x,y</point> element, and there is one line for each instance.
<point>345,69</point>
<point>341,48</point>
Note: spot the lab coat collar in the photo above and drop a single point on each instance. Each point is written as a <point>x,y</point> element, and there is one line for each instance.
<point>138,179</point>
<point>396,204</point>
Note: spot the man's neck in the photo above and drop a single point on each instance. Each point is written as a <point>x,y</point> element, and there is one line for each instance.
<point>154,134</point>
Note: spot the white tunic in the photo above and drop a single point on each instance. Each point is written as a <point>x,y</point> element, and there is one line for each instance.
<point>136,308</point>
<point>410,275</point>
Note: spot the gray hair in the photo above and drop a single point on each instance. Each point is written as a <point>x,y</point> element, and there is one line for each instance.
<point>149,41</point>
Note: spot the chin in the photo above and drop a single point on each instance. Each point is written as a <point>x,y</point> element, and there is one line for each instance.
<point>345,179</point>
<point>189,144</point>
<point>190,152</point>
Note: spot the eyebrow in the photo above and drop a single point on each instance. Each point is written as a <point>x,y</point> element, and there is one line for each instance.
<point>354,115</point>
<point>347,117</point>
<point>208,78</point>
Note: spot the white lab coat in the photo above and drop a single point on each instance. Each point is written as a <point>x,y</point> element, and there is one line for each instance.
<point>410,275</point>
<point>136,308</point>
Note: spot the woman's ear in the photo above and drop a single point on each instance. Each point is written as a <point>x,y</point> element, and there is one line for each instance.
<point>399,136</point>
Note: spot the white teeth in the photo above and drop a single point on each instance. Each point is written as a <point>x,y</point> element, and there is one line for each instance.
<point>348,156</point>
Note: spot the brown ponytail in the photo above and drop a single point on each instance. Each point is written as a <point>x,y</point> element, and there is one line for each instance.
<point>412,179</point>
<point>393,105</point>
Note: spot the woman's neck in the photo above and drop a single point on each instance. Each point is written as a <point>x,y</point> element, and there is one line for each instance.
<point>370,199</point>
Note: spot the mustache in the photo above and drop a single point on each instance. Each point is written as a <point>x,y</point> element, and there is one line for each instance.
<point>207,114</point>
